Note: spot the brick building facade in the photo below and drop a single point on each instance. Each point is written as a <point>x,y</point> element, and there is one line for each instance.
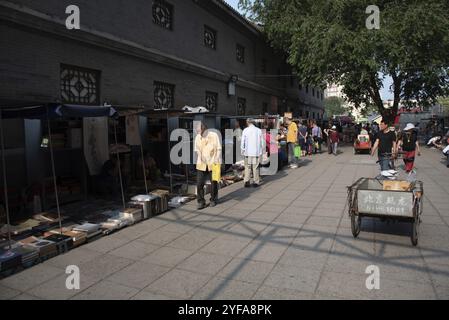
<point>152,53</point>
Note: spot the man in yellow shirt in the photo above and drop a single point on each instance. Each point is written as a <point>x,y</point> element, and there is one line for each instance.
<point>292,141</point>
<point>208,150</point>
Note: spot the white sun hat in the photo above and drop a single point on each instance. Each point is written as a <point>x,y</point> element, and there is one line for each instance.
<point>409,126</point>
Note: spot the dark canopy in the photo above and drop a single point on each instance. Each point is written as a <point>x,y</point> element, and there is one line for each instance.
<point>55,111</point>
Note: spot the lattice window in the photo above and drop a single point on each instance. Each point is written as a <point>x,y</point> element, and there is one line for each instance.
<point>241,106</point>
<point>240,53</point>
<point>163,95</point>
<point>210,38</point>
<point>163,14</point>
<point>211,101</point>
<point>80,85</point>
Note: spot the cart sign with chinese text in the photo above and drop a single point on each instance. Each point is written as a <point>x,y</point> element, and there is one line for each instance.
<point>388,203</point>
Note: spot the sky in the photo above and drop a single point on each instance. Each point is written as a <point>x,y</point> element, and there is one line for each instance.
<point>234,4</point>
<point>385,92</point>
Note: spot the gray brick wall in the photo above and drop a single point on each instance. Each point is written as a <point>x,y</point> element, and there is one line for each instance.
<point>30,58</point>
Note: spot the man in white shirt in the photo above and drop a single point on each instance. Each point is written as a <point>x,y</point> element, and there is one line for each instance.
<point>252,149</point>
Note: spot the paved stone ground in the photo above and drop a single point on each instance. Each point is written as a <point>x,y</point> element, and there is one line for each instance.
<point>290,239</point>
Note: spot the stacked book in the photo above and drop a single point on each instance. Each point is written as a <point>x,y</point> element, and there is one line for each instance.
<point>30,256</point>
<point>162,201</point>
<point>63,243</point>
<point>78,238</point>
<point>148,203</point>
<point>134,215</point>
<point>9,260</point>
<point>91,230</point>
<point>47,249</point>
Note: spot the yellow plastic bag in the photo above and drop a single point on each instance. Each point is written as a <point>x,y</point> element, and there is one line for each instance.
<point>216,172</point>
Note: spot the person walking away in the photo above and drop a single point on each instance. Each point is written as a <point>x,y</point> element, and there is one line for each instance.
<point>292,140</point>
<point>238,141</point>
<point>385,145</point>
<point>208,150</point>
<point>252,150</point>
<point>410,146</point>
<point>316,136</point>
<point>302,138</point>
<point>282,143</point>
<point>272,145</point>
<point>334,139</point>
<point>327,132</point>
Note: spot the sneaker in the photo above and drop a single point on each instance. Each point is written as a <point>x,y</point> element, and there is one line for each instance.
<point>201,206</point>
<point>294,166</point>
<point>255,185</point>
<point>247,185</point>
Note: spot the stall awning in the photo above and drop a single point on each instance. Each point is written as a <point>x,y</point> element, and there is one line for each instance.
<point>55,111</point>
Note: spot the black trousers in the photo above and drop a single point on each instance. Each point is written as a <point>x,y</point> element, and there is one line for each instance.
<point>202,177</point>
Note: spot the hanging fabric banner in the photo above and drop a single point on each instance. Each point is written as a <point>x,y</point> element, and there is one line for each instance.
<point>132,131</point>
<point>96,143</point>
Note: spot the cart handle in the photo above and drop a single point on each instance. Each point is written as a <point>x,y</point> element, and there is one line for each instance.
<point>355,183</point>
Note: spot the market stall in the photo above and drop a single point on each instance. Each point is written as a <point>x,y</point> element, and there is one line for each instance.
<point>44,236</point>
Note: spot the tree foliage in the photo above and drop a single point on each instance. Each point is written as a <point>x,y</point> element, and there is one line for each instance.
<point>334,106</point>
<point>328,42</point>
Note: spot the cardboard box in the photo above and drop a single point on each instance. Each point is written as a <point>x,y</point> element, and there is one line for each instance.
<point>397,186</point>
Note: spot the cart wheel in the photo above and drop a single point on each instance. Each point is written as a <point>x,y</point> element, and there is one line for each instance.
<point>356,222</point>
<point>416,223</point>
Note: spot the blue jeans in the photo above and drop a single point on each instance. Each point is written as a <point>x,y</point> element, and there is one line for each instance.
<point>384,163</point>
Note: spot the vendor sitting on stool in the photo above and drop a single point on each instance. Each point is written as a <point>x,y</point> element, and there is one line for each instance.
<point>109,178</point>
<point>152,172</point>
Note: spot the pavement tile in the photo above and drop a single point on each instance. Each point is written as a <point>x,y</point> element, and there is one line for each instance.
<point>25,297</point>
<point>108,243</point>
<point>225,289</point>
<point>103,266</point>
<point>204,263</point>
<point>226,246</point>
<point>74,257</point>
<point>272,293</point>
<point>294,278</point>
<point>160,237</point>
<point>31,278</point>
<point>8,293</point>
<point>138,275</point>
<point>192,241</point>
<point>106,290</point>
<point>264,252</point>
<point>135,250</point>
<point>179,284</point>
<point>246,270</point>
<point>150,296</point>
<point>167,256</point>
<point>56,289</point>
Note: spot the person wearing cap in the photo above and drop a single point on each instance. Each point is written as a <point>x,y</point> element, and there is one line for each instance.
<point>292,141</point>
<point>410,146</point>
<point>252,147</point>
<point>334,139</point>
